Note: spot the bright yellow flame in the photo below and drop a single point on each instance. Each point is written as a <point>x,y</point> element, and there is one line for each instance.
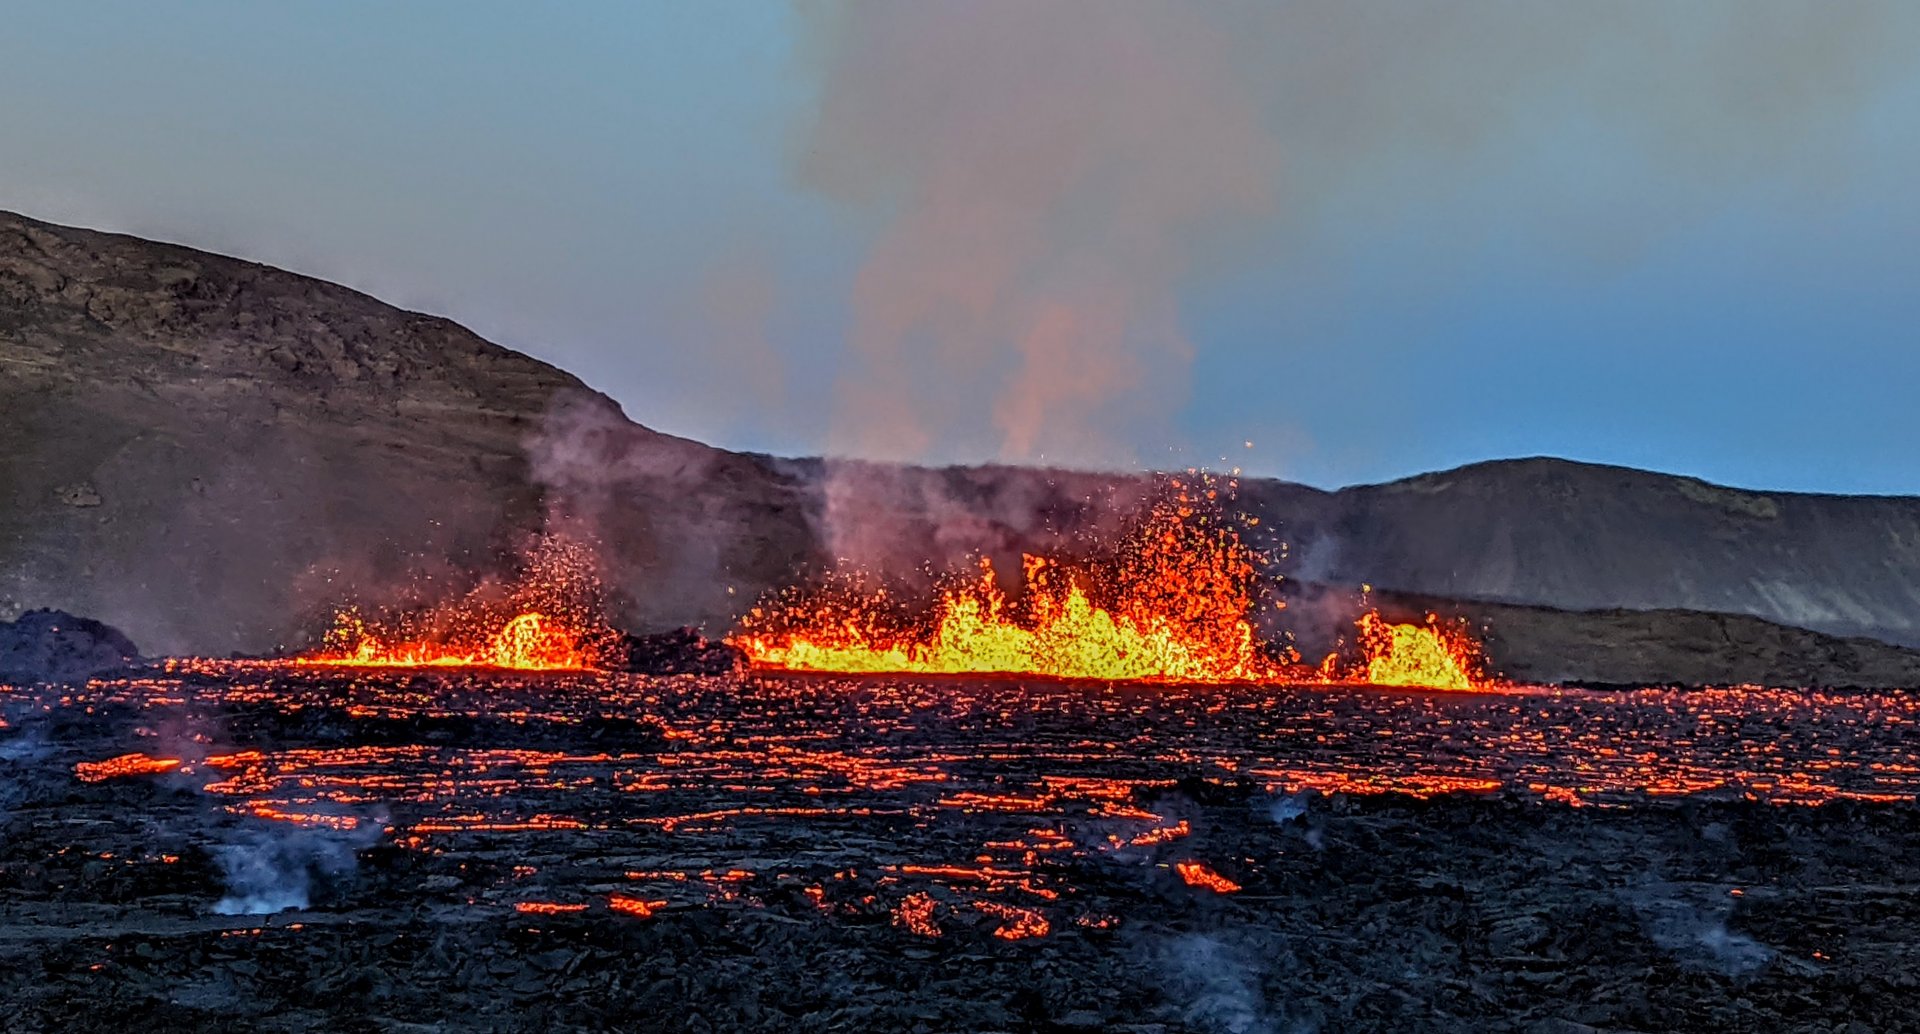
<point>1178,599</point>
<point>1172,605</point>
<point>1420,656</point>
<point>528,642</point>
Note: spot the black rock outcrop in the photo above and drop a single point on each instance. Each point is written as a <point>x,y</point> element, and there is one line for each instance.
<point>683,651</point>
<point>210,453</point>
<point>54,646</point>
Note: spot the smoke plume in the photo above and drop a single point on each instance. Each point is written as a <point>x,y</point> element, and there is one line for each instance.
<point>270,869</point>
<point>1690,924</point>
<point>1044,182</point>
<point>1219,989</point>
<point>1045,175</point>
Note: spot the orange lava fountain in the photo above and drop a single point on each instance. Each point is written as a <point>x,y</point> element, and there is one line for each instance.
<point>1172,606</point>
<point>1429,656</point>
<point>547,620</point>
<point>527,642</point>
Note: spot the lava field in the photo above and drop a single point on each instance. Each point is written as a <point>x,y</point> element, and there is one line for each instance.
<point>238,846</point>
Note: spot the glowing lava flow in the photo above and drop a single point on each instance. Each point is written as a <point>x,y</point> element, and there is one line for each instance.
<point>1199,874</point>
<point>527,642</point>
<point>1173,605</point>
<point>546,620</point>
<point>124,765</point>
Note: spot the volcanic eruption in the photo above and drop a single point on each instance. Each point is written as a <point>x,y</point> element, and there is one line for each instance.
<point>1173,601</point>
<point>549,617</point>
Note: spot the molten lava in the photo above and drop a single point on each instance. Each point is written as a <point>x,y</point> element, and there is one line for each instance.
<point>915,915</point>
<point>1020,923</point>
<point>547,908</point>
<point>1172,605</point>
<point>1199,874</point>
<point>124,765</point>
<point>527,642</point>
<point>1429,656</point>
<point>638,907</point>
<point>547,619</point>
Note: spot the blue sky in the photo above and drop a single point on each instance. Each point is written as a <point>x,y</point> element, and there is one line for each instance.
<point>1673,236</point>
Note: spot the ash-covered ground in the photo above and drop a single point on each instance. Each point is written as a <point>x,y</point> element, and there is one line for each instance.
<point>237,847</point>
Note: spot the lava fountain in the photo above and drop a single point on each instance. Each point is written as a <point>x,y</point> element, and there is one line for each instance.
<point>1428,656</point>
<point>547,619</point>
<point>526,642</point>
<point>1173,603</point>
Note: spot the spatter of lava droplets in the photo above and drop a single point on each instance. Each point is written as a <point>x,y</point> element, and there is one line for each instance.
<point>1172,603</point>
<point>550,617</point>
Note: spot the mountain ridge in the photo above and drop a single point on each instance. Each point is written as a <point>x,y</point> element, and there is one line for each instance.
<point>1589,537</point>
<point>207,451</point>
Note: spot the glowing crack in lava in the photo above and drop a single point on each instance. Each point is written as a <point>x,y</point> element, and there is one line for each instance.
<point>124,765</point>
<point>547,619</point>
<point>1171,605</point>
<point>642,908</point>
<point>1199,874</point>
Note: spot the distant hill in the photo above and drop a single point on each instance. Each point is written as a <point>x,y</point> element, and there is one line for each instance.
<point>207,452</point>
<point>1627,647</point>
<point>1586,537</point>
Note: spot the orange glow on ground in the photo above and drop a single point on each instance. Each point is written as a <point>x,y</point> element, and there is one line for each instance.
<point>915,915</point>
<point>1018,923</point>
<point>124,765</point>
<point>1003,821</point>
<point>1197,874</point>
<point>547,908</point>
<point>637,907</point>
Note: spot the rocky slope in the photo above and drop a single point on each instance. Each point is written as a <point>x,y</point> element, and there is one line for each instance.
<point>1581,536</point>
<point>50,646</point>
<point>204,451</point>
<point>1620,647</point>
<point>207,453</point>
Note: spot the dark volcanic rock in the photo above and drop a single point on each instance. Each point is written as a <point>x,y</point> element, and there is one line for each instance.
<point>209,453</point>
<point>1640,647</point>
<point>54,646</point>
<point>682,651</point>
<point>781,825</point>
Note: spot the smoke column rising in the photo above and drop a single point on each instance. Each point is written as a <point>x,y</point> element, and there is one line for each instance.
<point>1046,184</point>
<point>1045,174</point>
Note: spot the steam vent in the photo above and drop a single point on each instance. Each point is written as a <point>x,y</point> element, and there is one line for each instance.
<point>937,517</point>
